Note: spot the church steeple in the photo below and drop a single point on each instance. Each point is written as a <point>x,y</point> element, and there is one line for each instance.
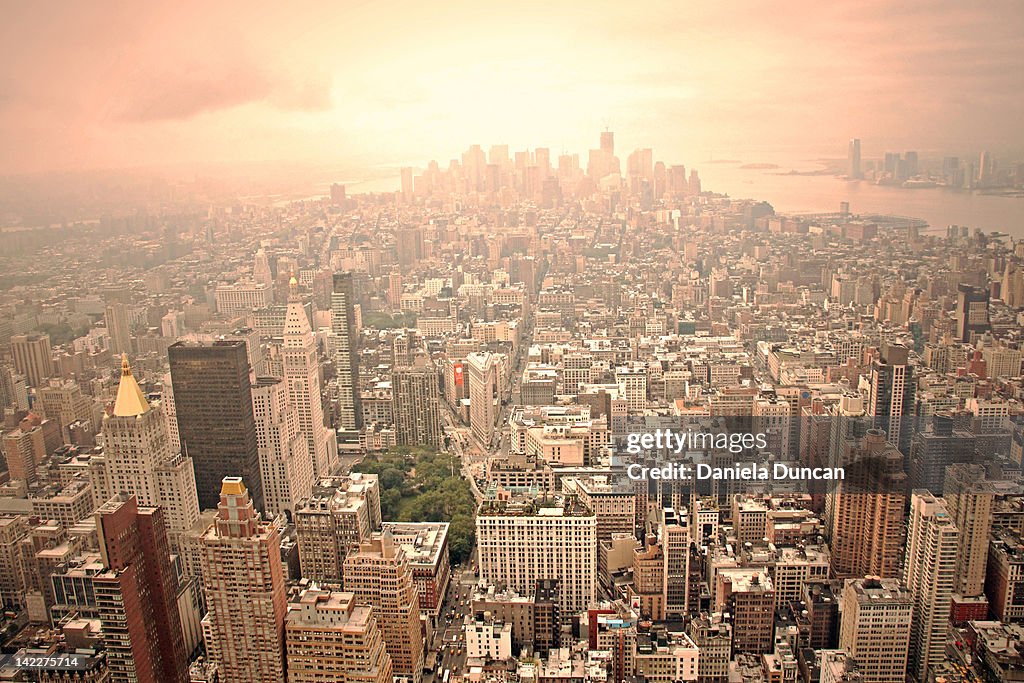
<point>130,401</point>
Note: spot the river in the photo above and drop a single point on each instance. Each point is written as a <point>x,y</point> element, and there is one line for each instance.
<point>813,193</point>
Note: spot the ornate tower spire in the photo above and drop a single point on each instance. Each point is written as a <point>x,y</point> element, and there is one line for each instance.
<point>130,400</point>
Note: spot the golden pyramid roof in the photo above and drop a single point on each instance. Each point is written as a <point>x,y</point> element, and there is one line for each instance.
<point>130,401</point>
<point>232,486</point>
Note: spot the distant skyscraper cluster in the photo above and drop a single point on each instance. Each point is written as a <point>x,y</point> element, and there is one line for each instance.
<point>910,171</point>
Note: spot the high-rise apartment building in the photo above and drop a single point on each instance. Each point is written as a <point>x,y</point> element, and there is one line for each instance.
<point>246,596</point>
<point>329,637</point>
<point>970,498</point>
<point>378,574</point>
<point>213,402</point>
<point>875,627</point>
<point>1004,580</point>
<point>339,514</point>
<point>286,467</point>
<point>867,509</point>
<point>929,573</point>
<point>939,444</point>
<point>136,595</point>
<point>416,404</point>
<point>346,362</point>
<point>302,375</point>
<point>891,394</point>
<point>138,459</point>
<point>33,357</point>
<point>526,540</point>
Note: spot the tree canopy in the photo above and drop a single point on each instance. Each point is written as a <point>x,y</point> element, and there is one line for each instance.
<point>420,484</point>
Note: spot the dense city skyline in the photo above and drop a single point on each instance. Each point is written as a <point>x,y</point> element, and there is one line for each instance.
<point>526,412</point>
<point>468,343</point>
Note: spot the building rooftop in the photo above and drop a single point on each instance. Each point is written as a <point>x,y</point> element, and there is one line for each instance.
<point>545,506</point>
<point>873,589</point>
<point>328,609</point>
<point>130,401</point>
<point>422,542</point>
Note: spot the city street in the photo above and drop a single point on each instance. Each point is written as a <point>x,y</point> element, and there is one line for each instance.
<point>449,638</point>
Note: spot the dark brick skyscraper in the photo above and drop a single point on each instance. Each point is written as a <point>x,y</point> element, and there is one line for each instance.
<point>213,402</point>
<point>346,364</point>
<point>136,595</point>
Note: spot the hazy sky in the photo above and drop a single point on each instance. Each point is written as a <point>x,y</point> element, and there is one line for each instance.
<point>105,84</point>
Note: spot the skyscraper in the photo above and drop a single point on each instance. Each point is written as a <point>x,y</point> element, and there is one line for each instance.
<point>406,184</point>
<point>891,397</point>
<point>970,499</point>
<point>261,273</point>
<point>608,142</point>
<point>875,628</point>
<point>378,573</point>
<point>929,572</point>
<point>302,374</point>
<point>395,289</point>
<point>483,393</point>
<point>246,596</point>
<point>33,357</point>
<point>853,160</point>
<point>136,595</point>
<point>118,319</point>
<point>867,509</point>
<point>346,363</point>
<point>331,638</point>
<point>971,312</point>
<point>985,166</point>
<point>138,459</point>
<point>939,444</point>
<point>675,540</point>
<point>213,402</point>
<point>337,194</point>
<point>286,469</point>
<point>416,404</point>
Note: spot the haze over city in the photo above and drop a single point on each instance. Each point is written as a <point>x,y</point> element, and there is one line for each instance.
<point>113,85</point>
<point>590,342</point>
